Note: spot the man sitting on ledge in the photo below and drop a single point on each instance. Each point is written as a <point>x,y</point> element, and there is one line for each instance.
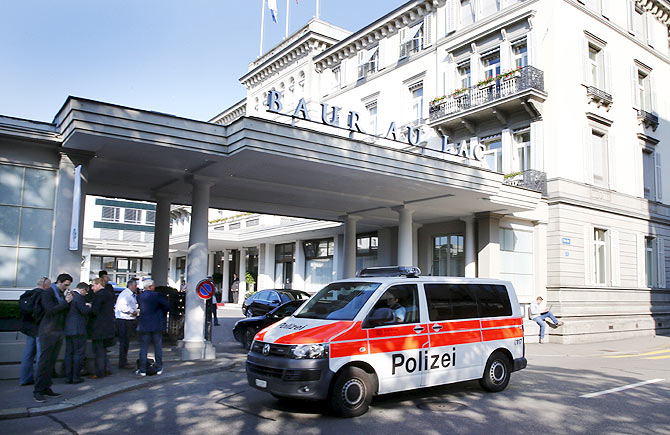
<point>539,312</point>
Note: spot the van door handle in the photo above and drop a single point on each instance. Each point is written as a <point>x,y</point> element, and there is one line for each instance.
<point>437,327</point>
<point>418,329</point>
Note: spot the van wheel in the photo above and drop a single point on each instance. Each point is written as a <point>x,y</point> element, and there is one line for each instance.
<point>249,335</point>
<point>352,393</point>
<point>497,373</point>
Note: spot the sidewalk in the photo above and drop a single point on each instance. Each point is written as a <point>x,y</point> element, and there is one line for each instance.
<point>634,345</point>
<point>17,401</point>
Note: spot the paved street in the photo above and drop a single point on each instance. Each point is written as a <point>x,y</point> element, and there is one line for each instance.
<point>564,390</point>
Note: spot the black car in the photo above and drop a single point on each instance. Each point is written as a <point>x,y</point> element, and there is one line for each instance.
<point>245,329</point>
<point>265,301</point>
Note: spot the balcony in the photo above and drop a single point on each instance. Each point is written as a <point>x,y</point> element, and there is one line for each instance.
<point>530,179</point>
<point>599,97</point>
<point>648,119</point>
<point>522,89</point>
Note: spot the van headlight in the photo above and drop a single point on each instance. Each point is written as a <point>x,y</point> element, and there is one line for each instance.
<point>309,351</point>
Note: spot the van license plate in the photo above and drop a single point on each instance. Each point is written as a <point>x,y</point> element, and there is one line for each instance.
<point>261,383</point>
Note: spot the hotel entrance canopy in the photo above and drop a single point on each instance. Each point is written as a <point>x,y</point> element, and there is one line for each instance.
<point>270,167</point>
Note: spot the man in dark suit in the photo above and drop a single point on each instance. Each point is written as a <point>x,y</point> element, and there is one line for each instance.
<point>75,334</point>
<point>102,330</point>
<point>50,333</point>
<point>151,325</point>
<point>105,276</point>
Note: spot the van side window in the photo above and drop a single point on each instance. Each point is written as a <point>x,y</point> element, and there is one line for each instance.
<point>493,300</point>
<point>403,300</point>
<point>450,302</point>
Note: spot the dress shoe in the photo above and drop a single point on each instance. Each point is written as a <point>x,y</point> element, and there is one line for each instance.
<point>77,381</point>
<point>28,383</point>
<point>39,397</point>
<point>50,392</point>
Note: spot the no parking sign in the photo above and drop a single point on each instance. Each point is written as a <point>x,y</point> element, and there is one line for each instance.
<point>205,289</point>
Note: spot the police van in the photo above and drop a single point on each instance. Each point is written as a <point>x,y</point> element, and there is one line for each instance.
<point>390,330</point>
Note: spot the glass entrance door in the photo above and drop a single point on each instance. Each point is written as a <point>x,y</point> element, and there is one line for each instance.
<point>448,255</point>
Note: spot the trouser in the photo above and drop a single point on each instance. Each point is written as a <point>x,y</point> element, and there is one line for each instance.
<point>540,321</point>
<point>155,337</point>
<point>49,347</point>
<point>75,348</point>
<point>28,359</point>
<point>123,328</point>
<point>234,295</point>
<point>101,359</point>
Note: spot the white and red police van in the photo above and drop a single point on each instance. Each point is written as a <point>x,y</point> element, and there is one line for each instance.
<point>378,334</point>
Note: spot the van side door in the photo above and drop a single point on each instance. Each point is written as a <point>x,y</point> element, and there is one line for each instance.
<point>455,334</point>
<point>395,346</point>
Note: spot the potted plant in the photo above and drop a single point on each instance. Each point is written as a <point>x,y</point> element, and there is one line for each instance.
<point>249,278</point>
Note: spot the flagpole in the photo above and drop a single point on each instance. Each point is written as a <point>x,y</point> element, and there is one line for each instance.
<point>260,52</point>
<point>317,9</point>
<point>287,10</point>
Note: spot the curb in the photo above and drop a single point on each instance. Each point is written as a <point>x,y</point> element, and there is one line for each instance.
<point>110,390</point>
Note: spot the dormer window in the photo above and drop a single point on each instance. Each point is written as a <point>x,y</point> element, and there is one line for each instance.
<point>411,39</point>
<point>368,62</point>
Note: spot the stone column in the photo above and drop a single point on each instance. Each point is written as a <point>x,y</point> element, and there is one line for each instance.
<point>405,233</point>
<point>489,246</point>
<point>225,281</point>
<point>243,274</point>
<point>470,260</point>
<point>415,244</point>
<point>350,245</point>
<point>194,345</point>
<point>161,258</point>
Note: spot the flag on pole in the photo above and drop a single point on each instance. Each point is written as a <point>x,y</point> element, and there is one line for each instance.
<point>272,5</point>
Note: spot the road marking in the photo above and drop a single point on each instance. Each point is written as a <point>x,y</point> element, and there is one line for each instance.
<point>659,357</point>
<point>656,352</point>
<point>625,387</point>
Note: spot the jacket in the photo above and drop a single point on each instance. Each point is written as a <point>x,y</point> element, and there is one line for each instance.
<point>153,307</point>
<point>102,315</point>
<point>55,310</point>
<point>28,325</point>
<point>77,316</point>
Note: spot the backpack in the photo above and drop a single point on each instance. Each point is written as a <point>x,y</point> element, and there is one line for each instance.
<point>30,304</point>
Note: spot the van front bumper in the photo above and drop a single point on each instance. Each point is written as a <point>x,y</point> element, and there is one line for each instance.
<point>307,379</point>
<point>519,364</point>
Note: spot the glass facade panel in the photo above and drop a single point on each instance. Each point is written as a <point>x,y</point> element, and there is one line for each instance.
<point>516,259</point>
<point>7,266</point>
<point>448,255</point>
<point>36,228</point>
<point>38,188</point>
<point>9,225</point>
<point>11,182</point>
<point>319,273</point>
<point>33,263</point>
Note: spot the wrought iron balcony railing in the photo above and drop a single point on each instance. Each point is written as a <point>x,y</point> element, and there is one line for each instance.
<point>525,78</point>
<point>530,179</point>
<point>648,119</point>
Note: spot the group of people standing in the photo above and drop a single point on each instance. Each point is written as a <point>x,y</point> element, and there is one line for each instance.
<point>56,311</point>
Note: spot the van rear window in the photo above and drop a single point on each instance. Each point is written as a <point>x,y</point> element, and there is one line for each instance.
<point>466,301</point>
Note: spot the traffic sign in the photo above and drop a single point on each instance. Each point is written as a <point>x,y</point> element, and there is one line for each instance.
<point>205,289</point>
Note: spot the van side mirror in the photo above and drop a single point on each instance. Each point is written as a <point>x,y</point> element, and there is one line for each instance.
<point>380,316</point>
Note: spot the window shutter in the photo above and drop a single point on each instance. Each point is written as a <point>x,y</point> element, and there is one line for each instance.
<point>660,248</point>
<point>584,50</point>
<point>605,5</point>
<point>381,55</point>
<point>659,179</point>
<point>508,151</point>
<point>633,82</point>
<point>531,47</point>
<point>608,72</point>
<point>452,15</point>
<point>652,89</point>
<point>650,29</point>
<point>428,30</point>
<point>611,161</point>
<point>588,155</point>
<point>361,72</point>
<point>537,145</point>
<point>588,255</point>
<point>631,17</point>
<point>641,255</point>
<point>615,264</point>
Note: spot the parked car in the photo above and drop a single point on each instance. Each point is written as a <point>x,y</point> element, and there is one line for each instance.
<point>264,301</point>
<point>245,329</point>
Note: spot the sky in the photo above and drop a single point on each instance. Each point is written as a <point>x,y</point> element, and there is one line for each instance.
<point>182,57</point>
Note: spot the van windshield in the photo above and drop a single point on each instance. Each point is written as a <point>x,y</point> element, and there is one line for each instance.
<point>338,301</point>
